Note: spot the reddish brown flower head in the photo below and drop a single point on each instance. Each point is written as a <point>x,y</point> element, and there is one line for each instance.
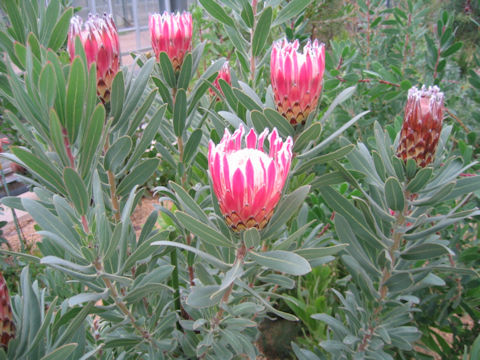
<point>297,78</point>
<point>99,38</point>
<point>223,74</point>
<point>422,124</point>
<point>248,180</point>
<point>172,34</point>
<point>7,326</point>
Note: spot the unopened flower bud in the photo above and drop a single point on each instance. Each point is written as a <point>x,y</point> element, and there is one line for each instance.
<point>422,125</point>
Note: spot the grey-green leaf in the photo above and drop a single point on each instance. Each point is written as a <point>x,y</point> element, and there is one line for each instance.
<point>283,261</point>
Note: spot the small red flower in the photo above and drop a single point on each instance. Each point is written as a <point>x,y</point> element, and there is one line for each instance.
<point>223,74</point>
<point>172,34</point>
<point>422,125</point>
<point>297,78</point>
<point>99,38</point>
<point>248,181</point>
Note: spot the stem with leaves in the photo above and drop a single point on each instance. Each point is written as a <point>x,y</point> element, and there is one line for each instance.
<point>386,273</point>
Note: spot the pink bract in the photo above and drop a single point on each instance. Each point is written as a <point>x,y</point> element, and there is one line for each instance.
<point>248,180</point>
<point>99,38</point>
<point>422,125</point>
<point>297,78</point>
<point>172,34</point>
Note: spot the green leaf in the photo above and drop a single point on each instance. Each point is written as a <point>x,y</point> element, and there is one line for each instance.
<point>136,90</point>
<point>47,85</point>
<point>180,112</point>
<point>188,203</point>
<point>201,296</point>
<point>76,190</point>
<point>59,32</point>
<point>464,186</point>
<point>399,167</point>
<point>49,174</point>
<point>90,142</point>
<point>411,168</point>
<point>285,209</point>
<point>61,353</point>
<point>117,153</point>
<point>87,297</point>
<point>329,139</point>
<point>139,175</point>
<point>354,217</point>
<point>246,100</point>
<point>452,49</point>
<point>283,261</point>
<point>148,135</point>
<point>217,12</point>
<point>203,231</point>
<point>344,95</point>
<point>312,133</point>
<point>261,31</point>
<point>420,180</point>
<point>278,121</point>
<point>315,253</point>
<point>394,194</point>
<point>18,26</point>
<point>247,14</point>
<point>117,97</point>
<point>191,147</point>
<point>270,308</point>
<point>73,325</point>
<point>167,70</point>
<point>201,254</point>
<point>438,196</point>
<point>75,98</point>
<point>334,155</point>
<point>251,238</point>
<point>425,251</point>
<point>290,11</point>
<point>185,73</point>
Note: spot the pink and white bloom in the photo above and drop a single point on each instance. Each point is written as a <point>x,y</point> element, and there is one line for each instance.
<point>422,125</point>
<point>99,38</point>
<point>297,78</point>
<point>171,33</point>
<point>223,74</point>
<point>248,180</point>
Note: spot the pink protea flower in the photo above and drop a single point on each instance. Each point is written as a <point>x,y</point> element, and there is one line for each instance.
<point>223,74</point>
<point>297,78</point>
<point>422,125</point>
<point>248,181</point>
<point>7,326</point>
<point>100,41</point>
<point>172,34</point>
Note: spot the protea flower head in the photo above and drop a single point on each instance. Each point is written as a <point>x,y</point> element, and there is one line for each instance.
<point>7,327</point>
<point>223,74</point>
<point>248,180</point>
<point>422,124</point>
<point>297,78</point>
<point>100,41</point>
<point>171,33</point>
